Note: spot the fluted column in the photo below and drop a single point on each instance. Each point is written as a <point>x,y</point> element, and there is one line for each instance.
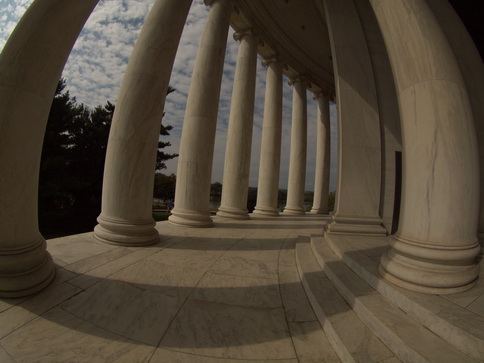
<point>435,248</point>
<point>31,64</point>
<point>126,215</point>
<point>359,151</point>
<point>239,140</point>
<point>297,161</point>
<point>197,142</point>
<point>270,153</point>
<point>323,148</point>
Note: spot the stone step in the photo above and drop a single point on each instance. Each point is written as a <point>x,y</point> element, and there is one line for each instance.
<point>351,339</point>
<point>407,338</point>
<point>444,315</point>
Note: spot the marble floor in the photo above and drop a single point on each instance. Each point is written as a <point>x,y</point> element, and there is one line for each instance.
<point>228,293</point>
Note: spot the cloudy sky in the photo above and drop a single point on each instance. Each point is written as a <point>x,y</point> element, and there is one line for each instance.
<point>98,61</point>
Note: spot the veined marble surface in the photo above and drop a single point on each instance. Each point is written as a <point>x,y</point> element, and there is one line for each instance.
<point>229,293</point>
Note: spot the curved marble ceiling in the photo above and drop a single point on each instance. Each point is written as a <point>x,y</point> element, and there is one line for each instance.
<point>296,31</point>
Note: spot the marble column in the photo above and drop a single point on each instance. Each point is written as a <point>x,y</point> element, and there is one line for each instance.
<point>197,142</point>
<point>297,160</point>
<point>31,65</point>
<point>126,215</point>
<point>389,114</point>
<point>239,140</point>
<point>359,151</point>
<point>435,248</point>
<point>323,149</point>
<point>470,63</point>
<point>270,153</point>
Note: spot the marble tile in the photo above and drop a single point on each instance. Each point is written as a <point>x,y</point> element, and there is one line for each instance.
<point>127,310</point>
<point>415,337</point>
<point>434,304</point>
<point>165,241</point>
<point>227,331</point>
<point>165,355</point>
<point>294,299</point>
<point>5,357</point>
<point>168,230</point>
<point>58,262</point>
<point>179,257</point>
<point>477,306</point>
<point>286,254</point>
<point>68,239</point>
<point>311,343</point>
<point>6,304</point>
<point>466,298</point>
<point>97,274</point>
<point>70,250</point>
<point>246,264</point>
<point>62,275</point>
<point>391,360</point>
<point>362,344</point>
<point>237,290</point>
<point>465,320</point>
<point>92,262</point>
<point>347,280</point>
<point>176,281</point>
<point>21,314</point>
<point>268,245</point>
<point>84,281</point>
<point>58,336</point>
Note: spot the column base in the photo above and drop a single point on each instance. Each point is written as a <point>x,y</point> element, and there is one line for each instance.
<point>368,226</point>
<point>25,271</point>
<point>185,218</point>
<point>430,269</point>
<point>233,213</point>
<point>294,210</point>
<point>266,211</point>
<point>126,233</point>
<point>319,211</point>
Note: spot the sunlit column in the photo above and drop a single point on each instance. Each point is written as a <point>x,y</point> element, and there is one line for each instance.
<point>323,147</point>
<point>270,154</point>
<point>197,142</point>
<point>126,216</point>
<point>297,161</point>
<point>435,248</point>
<point>239,140</point>
<point>31,65</point>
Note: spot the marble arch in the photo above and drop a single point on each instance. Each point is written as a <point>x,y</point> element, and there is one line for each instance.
<point>406,77</point>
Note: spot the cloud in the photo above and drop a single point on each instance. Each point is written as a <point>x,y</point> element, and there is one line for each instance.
<point>97,64</point>
<point>10,13</point>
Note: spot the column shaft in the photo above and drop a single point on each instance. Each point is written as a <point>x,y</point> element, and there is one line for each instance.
<point>323,149</point>
<point>270,154</point>
<point>197,143</point>
<point>127,200</point>
<point>297,161</point>
<point>239,140</point>
<point>435,247</point>
<point>31,64</point>
<point>470,64</point>
<point>359,172</point>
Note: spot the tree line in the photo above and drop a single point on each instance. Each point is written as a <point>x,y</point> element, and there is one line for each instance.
<point>72,164</point>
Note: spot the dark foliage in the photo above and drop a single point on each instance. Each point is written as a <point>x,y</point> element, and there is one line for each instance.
<point>72,164</point>
<point>165,186</point>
